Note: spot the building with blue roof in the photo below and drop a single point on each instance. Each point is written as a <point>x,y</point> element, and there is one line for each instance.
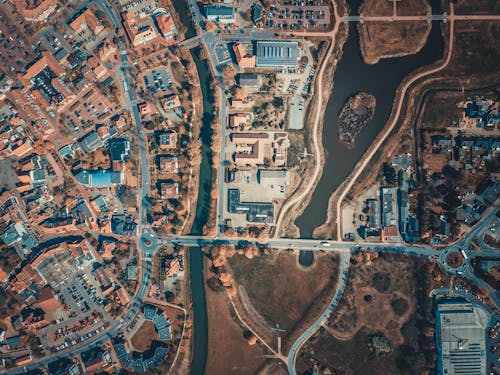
<point>103,178</point>
<point>100,178</point>
<point>10,236</point>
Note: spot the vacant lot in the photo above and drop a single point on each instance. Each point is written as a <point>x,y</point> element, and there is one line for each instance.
<point>144,336</point>
<point>281,292</point>
<point>390,39</point>
<point>386,8</point>
<point>386,39</point>
<point>385,301</point>
<point>228,350</point>
<point>475,41</point>
<point>441,110</point>
<point>379,289</point>
<point>477,7</point>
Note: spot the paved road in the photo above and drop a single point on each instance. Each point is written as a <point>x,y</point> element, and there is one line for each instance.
<point>365,160</point>
<point>317,149</point>
<point>292,354</point>
<point>148,241</point>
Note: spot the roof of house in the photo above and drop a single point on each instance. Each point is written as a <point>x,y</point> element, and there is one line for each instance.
<point>390,231</point>
<point>87,19</point>
<point>47,301</point>
<point>118,149</point>
<point>165,24</point>
<point>171,102</point>
<point>248,79</point>
<point>91,142</point>
<point>169,190</point>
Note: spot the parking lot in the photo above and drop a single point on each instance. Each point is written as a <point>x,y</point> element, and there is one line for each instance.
<point>84,317</point>
<point>299,15</point>
<point>80,294</point>
<point>296,83</point>
<point>158,80</point>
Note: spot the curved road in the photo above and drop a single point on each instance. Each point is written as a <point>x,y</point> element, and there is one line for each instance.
<point>388,128</point>
<point>316,138</point>
<point>292,354</point>
<point>149,242</point>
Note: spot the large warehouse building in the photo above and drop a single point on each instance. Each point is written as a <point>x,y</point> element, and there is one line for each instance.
<point>278,54</point>
<point>461,338</point>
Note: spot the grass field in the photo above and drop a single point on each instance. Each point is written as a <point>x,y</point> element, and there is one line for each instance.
<point>283,293</point>
<point>477,7</point>
<point>228,350</point>
<point>144,336</point>
<point>385,39</point>
<point>354,357</point>
<point>441,110</point>
<point>387,298</point>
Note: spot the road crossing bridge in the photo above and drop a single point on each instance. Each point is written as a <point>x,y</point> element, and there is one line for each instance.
<point>353,19</point>
<point>437,17</point>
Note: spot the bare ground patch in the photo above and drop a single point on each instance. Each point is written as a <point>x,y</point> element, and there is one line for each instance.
<point>282,293</point>
<point>228,349</point>
<point>144,336</point>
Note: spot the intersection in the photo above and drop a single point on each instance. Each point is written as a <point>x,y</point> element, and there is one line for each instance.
<point>149,242</point>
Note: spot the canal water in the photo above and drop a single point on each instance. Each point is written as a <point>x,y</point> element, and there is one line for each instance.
<point>352,75</point>
<point>182,9</point>
<point>196,257</point>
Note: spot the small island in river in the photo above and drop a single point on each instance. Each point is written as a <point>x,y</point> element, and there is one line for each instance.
<point>356,112</point>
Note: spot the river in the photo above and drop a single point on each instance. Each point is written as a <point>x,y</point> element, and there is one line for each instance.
<point>352,75</point>
<point>182,9</point>
<point>196,257</point>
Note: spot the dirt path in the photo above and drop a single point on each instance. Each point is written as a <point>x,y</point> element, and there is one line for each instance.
<point>316,136</point>
<point>389,127</point>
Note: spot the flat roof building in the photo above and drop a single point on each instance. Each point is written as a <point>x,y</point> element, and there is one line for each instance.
<point>461,338</point>
<point>277,54</point>
<point>388,197</point>
<point>374,217</point>
<point>256,212</point>
<point>222,14</point>
<point>278,177</point>
<point>248,80</point>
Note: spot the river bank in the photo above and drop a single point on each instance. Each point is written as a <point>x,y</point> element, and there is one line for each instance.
<point>353,75</point>
<point>381,40</point>
<point>369,164</point>
<point>323,83</point>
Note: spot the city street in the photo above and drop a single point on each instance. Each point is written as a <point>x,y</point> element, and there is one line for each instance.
<point>149,242</point>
